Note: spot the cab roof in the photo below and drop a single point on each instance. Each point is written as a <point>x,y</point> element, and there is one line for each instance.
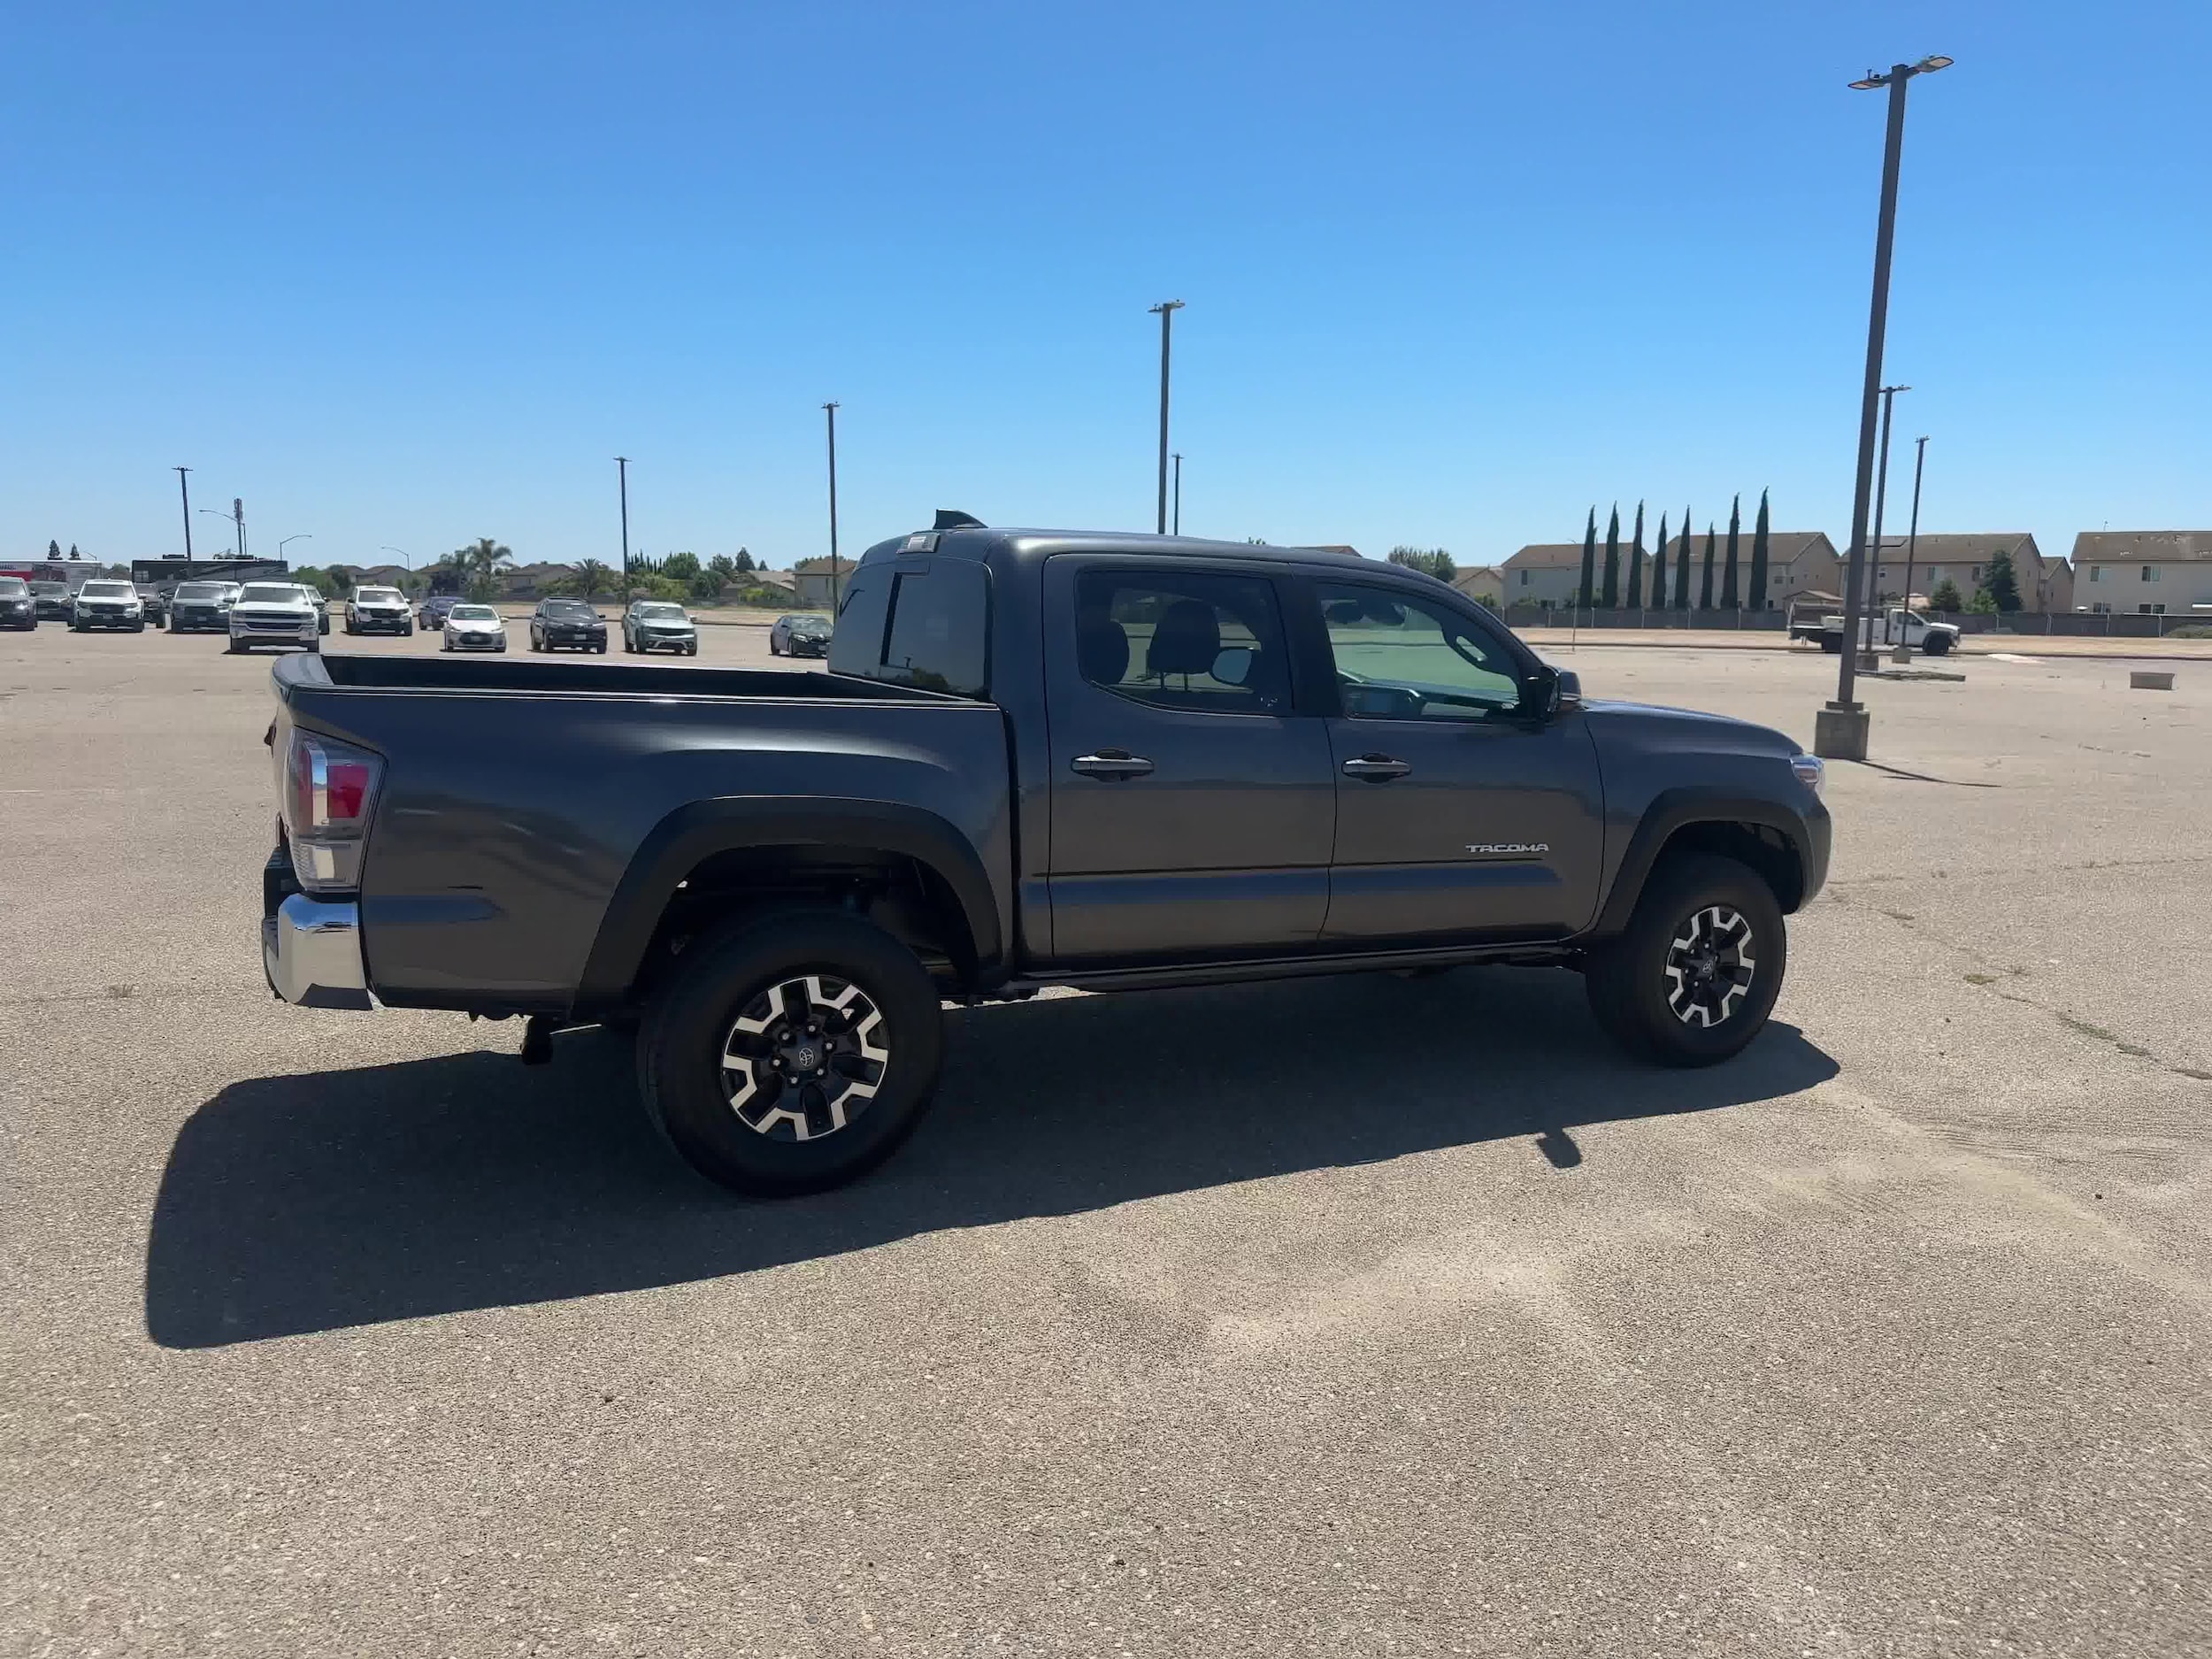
<point>977,541</point>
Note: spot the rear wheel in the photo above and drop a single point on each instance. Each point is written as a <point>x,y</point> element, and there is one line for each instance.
<point>792,1054</point>
<point>1694,975</point>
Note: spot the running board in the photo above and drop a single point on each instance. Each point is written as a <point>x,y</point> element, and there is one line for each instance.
<point>1289,968</point>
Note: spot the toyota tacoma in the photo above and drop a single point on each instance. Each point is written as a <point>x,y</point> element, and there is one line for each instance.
<point>1037,758</point>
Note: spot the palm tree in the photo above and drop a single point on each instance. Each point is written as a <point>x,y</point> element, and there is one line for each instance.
<point>591,576</point>
<point>478,564</point>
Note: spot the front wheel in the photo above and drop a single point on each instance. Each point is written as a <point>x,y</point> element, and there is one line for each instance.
<point>792,1054</point>
<point>1936,644</point>
<point>1695,975</point>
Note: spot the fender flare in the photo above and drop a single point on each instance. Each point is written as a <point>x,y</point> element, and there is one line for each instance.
<point>698,830</point>
<point>1676,809</point>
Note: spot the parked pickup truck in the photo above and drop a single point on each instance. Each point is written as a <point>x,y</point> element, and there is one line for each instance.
<point>1037,758</point>
<point>1896,626</point>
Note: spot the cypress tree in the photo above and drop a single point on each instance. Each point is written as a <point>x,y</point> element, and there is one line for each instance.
<point>1759,551</point>
<point>1705,591</point>
<point>1590,559</point>
<point>1682,566</point>
<point>1611,597</point>
<point>1636,563</point>
<point>1729,600</point>
<point>1659,569</point>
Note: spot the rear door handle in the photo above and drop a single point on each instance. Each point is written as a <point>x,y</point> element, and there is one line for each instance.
<point>1113,764</point>
<point>1376,768</point>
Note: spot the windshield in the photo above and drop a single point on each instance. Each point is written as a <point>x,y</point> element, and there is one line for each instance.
<point>108,590</point>
<point>269,594</point>
<point>201,590</point>
<point>13,587</point>
<point>568,608</point>
<point>661,613</point>
<point>810,624</point>
<point>474,613</point>
<point>378,595</point>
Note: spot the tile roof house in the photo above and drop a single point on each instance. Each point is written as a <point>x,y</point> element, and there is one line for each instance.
<point>1480,583</point>
<point>2152,571</point>
<point>1798,562</point>
<point>1962,558</point>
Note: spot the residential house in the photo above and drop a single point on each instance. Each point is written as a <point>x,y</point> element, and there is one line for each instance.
<point>2153,573</point>
<point>811,582</point>
<point>1484,583</point>
<point>1547,573</point>
<point>1963,560</point>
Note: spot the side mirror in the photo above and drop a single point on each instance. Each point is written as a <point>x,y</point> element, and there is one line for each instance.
<point>1545,691</point>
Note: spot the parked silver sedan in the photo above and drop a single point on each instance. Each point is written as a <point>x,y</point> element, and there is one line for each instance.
<point>473,628</point>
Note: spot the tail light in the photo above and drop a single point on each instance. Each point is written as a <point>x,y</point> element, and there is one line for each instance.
<point>329,789</point>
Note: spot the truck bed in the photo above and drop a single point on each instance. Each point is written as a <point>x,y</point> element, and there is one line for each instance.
<point>559,676</point>
<point>517,796</point>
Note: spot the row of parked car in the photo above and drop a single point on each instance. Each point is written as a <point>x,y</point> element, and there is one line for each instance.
<point>292,614</point>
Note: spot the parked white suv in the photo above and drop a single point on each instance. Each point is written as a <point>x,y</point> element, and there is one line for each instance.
<point>375,610</point>
<point>275,613</point>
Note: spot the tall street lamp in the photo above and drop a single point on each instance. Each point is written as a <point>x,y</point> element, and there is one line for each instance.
<point>1912,541</point>
<point>1179,492</point>
<point>622,483</point>
<point>305,535</point>
<point>1165,310</point>
<point>830,409</point>
<point>1881,495</point>
<point>1839,729</point>
<point>404,557</point>
<point>184,489</point>
<point>225,517</point>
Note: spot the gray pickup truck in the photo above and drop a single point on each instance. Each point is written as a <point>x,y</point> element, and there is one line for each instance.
<point>1105,761</point>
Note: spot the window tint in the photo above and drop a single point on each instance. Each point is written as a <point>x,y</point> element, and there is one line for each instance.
<point>937,639</point>
<point>861,613</point>
<point>1401,658</point>
<point>926,626</point>
<point>13,586</point>
<point>1183,640</point>
<point>108,590</point>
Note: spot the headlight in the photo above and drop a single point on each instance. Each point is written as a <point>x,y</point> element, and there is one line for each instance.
<point>1811,770</point>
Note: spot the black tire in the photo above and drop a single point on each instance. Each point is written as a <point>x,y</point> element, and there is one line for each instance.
<point>692,650</point>
<point>407,633</point>
<point>235,650</point>
<point>1691,902</point>
<point>315,647</point>
<point>1831,643</point>
<point>1935,644</point>
<point>702,1106</point>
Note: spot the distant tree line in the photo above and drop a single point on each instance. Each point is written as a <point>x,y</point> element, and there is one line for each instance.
<point>1649,587</point>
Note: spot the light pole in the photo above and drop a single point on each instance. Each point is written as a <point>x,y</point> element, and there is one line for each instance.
<point>1839,729</point>
<point>1165,310</point>
<point>305,536</point>
<point>1912,541</point>
<point>622,483</point>
<point>225,517</point>
<point>184,489</point>
<point>404,557</point>
<point>1881,495</point>
<point>1179,492</point>
<point>830,411</point>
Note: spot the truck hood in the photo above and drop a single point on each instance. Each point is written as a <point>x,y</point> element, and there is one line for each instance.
<point>1653,727</point>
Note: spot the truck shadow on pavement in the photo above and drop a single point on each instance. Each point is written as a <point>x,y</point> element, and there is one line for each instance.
<point>313,1202</point>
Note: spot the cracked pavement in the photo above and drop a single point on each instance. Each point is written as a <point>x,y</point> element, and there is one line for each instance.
<point>1185,1326</point>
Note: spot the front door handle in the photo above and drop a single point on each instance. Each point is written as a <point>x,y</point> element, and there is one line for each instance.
<point>1376,768</point>
<point>1113,764</point>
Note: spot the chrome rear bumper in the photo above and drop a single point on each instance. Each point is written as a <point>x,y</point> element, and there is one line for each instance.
<point>312,952</point>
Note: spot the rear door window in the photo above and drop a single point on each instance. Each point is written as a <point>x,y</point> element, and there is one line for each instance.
<point>1183,640</point>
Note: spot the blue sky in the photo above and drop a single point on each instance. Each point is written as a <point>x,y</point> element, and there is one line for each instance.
<point>411,275</point>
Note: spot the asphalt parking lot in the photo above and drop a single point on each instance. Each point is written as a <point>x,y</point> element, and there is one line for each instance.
<point>1366,1315</point>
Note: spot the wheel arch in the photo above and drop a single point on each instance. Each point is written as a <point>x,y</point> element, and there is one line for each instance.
<point>733,835</point>
<point>1766,835</point>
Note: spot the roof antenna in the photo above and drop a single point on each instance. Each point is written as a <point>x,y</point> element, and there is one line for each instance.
<point>953,518</point>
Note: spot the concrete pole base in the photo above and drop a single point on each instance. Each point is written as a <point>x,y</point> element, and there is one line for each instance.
<point>1869,662</point>
<point>1839,732</point>
<point>1901,654</point>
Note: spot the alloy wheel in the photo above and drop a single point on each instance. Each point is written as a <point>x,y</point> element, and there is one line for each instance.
<point>1710,965</point>
<point>804,1057</point>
